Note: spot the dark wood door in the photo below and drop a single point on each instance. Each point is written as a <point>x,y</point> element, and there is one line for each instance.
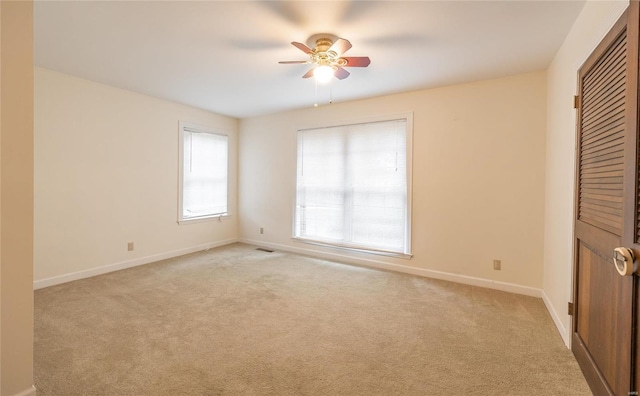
<point>604,336</point>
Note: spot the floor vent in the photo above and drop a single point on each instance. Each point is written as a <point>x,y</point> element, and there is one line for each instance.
<point>265,250</point>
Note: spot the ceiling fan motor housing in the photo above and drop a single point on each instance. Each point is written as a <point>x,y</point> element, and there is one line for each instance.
<point>321,54</point>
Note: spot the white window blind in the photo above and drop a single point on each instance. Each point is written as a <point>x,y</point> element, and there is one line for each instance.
<point>352,186</point>
<point>204,174</point>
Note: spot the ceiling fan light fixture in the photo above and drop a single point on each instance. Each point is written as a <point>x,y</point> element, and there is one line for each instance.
<point>323,74</point>
<point>327,59</point>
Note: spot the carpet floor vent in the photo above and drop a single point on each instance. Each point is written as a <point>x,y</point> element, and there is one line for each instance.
<point>265,250</point>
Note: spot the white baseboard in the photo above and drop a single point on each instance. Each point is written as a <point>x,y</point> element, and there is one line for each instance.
<point>27,392</point>
<point>564,332</point>
<point>56,280</point>
<point>365,262</point>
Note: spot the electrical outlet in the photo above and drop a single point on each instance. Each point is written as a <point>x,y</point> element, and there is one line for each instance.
<point>130,246</point>
<point>497,265</point>
<point>261,230</point>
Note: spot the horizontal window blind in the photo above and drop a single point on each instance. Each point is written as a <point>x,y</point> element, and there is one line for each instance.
<point>204,174</point>
<point>352,186</point>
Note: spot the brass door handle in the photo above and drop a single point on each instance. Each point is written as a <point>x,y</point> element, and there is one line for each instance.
<point>624,261</point>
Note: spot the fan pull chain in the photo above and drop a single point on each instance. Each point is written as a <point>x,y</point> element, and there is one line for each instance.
<point>316,103</point>
<point>330,93</point>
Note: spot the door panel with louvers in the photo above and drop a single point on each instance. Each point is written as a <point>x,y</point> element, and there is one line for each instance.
<point>604,336</point>
<point>602,126</point>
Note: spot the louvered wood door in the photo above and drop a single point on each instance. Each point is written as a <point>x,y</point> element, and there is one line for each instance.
<point>604,336</point>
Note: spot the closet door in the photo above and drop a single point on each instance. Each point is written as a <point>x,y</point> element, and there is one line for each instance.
<point>606,225</point>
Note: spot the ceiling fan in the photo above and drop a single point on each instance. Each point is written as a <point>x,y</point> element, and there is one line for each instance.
<point>328,60</point>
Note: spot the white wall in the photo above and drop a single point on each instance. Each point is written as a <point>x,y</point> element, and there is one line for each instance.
<point>478,179</point>
<point>106,173</point>
<point>594,22</point>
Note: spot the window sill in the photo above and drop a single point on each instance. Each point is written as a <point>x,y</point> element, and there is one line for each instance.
<point>406,256</point>
<point>218,218</point>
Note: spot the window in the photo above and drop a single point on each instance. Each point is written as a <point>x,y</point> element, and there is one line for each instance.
<point>203,173</point>
<point>353,186</point>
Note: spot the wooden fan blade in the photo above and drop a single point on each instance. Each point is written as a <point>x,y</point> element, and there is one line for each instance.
<point>308,74</point>
<point>301,47</point>
<point>340,46</point>
<point>292,62</point>
<point>341,74</point>
<point>357,61</point>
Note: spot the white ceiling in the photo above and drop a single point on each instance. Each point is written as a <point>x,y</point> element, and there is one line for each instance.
<point>223,56</point>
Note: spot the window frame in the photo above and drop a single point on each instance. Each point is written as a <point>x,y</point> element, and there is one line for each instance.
<point>184,126</point>
<point>408,117</point>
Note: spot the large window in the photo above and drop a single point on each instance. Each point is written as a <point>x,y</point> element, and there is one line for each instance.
<point>203,173</point>
<point>353,186</point>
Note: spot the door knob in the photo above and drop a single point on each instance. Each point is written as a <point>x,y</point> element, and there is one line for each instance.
<point>624,260</point>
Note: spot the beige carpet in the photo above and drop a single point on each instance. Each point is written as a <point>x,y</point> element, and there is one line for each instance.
<point>237,321</point>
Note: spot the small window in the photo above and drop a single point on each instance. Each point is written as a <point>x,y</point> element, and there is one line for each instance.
<point>353,186</point>
<point>203,173</point>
